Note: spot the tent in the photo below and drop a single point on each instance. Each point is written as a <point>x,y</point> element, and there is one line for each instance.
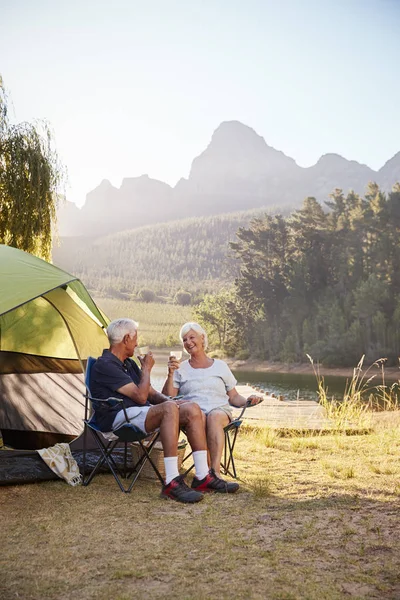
<point>49,325</point>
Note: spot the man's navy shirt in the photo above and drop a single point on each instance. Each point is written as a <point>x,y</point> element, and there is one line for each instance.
<point>108,374</point>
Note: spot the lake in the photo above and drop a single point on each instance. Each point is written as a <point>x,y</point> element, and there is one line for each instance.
<point>285,384</point>
<point>291,385</point>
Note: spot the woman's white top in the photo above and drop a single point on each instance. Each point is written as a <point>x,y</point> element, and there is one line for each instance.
<point>208,387</point>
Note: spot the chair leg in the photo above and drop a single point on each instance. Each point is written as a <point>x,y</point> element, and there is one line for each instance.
<point>228,454</point>
<point>107,458</point>
<point>100,462</point>
<point>191,467</point>
<point>142,462</point>
<point>104,457</point>
<point>148,452</point>
<point>85,432</point>
<point>125,459</point>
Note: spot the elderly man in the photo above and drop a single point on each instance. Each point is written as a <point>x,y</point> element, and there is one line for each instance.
<point>115,374</point>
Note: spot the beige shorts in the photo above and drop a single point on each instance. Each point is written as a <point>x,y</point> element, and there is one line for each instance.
<point>137,417</point>
<point>227,409</point>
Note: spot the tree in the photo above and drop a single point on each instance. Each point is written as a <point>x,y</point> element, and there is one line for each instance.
<point>215,312</point>
<point>147,295</point>
<point>183,298</point>
<point>30,178</point>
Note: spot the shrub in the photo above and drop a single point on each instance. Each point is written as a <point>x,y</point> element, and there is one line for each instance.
<point>183,298</point>
<point>147,295</point>
<point>172,340</point>
<point>242,355</point>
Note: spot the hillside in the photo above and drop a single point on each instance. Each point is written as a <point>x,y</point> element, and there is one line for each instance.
<point>190,254</point>
<point>237,171</point>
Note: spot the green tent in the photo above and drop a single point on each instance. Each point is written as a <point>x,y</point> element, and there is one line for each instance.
<point>49,325</point>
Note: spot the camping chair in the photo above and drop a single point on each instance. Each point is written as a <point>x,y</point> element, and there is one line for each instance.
<point>107,442</point>
<point>231,430</point>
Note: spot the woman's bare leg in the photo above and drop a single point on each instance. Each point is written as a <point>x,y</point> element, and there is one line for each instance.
<point>216,421</point>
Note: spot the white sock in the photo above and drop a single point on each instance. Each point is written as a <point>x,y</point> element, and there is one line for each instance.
<point>171,468</point>
<point>200,463</point>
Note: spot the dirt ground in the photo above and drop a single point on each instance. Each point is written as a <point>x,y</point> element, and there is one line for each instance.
<point>315,518</point>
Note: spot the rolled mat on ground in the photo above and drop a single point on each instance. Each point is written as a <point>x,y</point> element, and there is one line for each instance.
<point>26,466</point>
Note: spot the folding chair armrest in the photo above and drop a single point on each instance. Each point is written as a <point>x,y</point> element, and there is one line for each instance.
<point>247,405</point>
<point>243,409</point>
<point>92,399</point>
<point>111,398</point>
<point>236,423</point>
<point>120,400</point>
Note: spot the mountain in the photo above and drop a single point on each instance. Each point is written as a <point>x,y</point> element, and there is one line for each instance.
<point>334,171</point>
<point>237,171</point>
<point>109,209</point>
<point>390,172</point>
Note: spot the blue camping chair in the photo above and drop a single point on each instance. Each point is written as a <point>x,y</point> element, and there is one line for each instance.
<point>231,430</point>
<point>126,433</point>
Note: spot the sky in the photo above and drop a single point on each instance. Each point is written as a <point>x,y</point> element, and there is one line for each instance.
<point>138,87</point>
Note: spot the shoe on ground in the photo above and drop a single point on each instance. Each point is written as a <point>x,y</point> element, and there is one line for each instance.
<point>178,490</point>
<point>213,483</point>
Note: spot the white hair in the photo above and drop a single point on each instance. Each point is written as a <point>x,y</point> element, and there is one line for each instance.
<point>119,328</point>
<point>197,328</point>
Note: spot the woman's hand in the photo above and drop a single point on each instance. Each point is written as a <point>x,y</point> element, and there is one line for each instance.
<point>254,400</point>
<point>173,365</point>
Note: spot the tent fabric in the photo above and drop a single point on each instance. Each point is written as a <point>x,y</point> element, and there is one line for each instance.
<point>49,325</point>
<point>38,402</point>
<point>24,276</point>
<point>17,362</point>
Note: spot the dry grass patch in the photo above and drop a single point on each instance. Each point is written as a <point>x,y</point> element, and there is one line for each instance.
<point>293,530</point>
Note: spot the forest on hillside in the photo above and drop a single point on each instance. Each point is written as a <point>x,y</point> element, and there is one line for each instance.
<point>319,282</point>
<point>191,254</point>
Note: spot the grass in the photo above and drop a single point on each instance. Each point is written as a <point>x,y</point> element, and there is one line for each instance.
<point>316,517</point>
<point>159,324</point>
<point>353,410</point>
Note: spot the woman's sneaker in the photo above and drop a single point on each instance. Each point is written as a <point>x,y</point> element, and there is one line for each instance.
<point>178,490</point>
<point>213,483</point>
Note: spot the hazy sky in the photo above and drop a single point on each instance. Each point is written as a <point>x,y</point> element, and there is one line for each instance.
<point>133,87</point>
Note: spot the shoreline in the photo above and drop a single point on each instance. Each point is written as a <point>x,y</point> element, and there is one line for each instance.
<point>392,374</point>
<point>259,366</point>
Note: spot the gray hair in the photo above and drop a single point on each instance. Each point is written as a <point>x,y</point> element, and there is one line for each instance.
<point>119,328</point>
<point>197,328</point>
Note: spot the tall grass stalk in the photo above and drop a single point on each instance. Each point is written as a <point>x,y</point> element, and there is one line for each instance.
<point>352,410</point>
<point>386,397</point>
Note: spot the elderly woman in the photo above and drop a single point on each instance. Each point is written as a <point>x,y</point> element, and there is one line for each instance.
<point>210,383</point>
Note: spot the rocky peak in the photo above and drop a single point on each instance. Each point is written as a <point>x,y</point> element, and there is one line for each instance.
<point>237,152</point>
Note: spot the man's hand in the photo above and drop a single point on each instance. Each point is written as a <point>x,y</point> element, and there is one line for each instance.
<point>181,401</point>
<point>147,361</point>
<point>254,400</point>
